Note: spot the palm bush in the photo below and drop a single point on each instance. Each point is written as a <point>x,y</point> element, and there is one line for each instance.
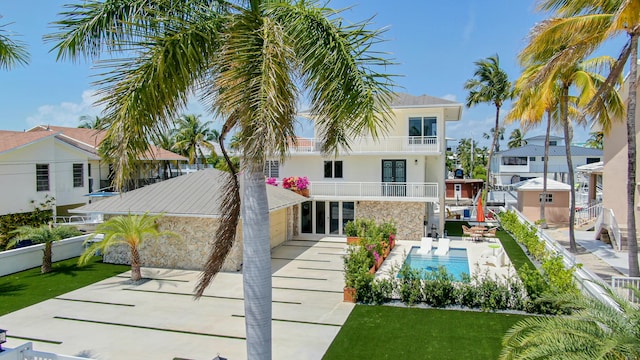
<point>46,235</point>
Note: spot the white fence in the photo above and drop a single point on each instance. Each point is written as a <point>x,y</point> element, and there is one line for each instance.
<point>587,214</point>
<point>607,219</point>
<point>411,144</point>
<point>623,285</point>
<point>375,190</point>
<point>26,352</point>
<point>589,283</point>
<point>12,261</point>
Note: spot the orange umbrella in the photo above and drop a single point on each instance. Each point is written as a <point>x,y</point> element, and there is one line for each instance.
<point>480,216</point>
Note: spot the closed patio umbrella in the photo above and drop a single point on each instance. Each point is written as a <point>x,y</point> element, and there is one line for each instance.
<point>480,216</point>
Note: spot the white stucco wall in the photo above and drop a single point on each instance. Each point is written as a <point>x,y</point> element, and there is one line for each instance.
<point>65,192</point>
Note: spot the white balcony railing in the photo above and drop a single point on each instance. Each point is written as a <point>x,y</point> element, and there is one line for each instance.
<point>403,144</point>
<point>374,190</point>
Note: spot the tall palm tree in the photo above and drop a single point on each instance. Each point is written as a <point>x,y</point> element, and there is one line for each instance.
<point>12,52</point>
<point>166,139</point>
<point>593,331</point>
<point>130,230</point>
<point>245,59</point>
<point>578,29</point>
<point>47,235</point>
<point>490,84</point>
<point>516,139</point>
<point>92,122</point>
<point>192,136</point>
<point>490,135</point>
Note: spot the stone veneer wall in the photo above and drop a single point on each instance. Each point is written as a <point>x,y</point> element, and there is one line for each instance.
<point>190,251</point>
<point>408,216</point>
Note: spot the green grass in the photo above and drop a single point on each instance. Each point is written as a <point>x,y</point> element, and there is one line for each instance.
<point>29,287</point>
<point>387,332</point>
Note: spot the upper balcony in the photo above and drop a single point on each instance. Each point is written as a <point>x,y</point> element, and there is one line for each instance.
<point>374,191</point>
<point>424,145</point>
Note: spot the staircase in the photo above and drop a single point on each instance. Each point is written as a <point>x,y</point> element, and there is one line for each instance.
<point>586,218</point>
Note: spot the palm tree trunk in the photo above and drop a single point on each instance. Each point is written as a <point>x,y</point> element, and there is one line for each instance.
<point>496,133</point>
<point>256,257</point>
<point>46,258</point>
<point>135,264</point>
<point>632,241</point>
<point>545,172</point>
<point>568,137</point>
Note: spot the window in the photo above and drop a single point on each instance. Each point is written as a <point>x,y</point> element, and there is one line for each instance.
<point>89,169</point>
<point>592,160</point>
<point>333,169</point>
<point>548,198</point>
<point>78,175</point>
<point>42,177</point>
<point>514,160</point>
<point>553,143</point>
<point>420,127</point>
<point>532,158</point>
<point>272,168</point>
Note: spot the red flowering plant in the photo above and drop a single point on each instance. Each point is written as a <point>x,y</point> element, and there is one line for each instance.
<point>272,181</point>
<point>295,183</point>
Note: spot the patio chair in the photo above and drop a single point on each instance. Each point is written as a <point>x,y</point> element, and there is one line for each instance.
<point>426,244</point>
<point>490,232</point>
<point>443,247</point>
<point>497,259</point>
<point>466,230</point>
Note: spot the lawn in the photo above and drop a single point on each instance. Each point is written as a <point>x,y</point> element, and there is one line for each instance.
<point>29,287</point>
<point>388,332</point>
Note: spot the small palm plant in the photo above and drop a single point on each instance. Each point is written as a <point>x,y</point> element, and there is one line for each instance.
<point>46,235</point>
<point>131,230</point>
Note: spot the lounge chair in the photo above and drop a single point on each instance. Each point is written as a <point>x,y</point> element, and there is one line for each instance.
<point>466,230</point>
<point>443,247</point>
<point>490,232</point>
<point>497,259</point>
<point>426,243</point>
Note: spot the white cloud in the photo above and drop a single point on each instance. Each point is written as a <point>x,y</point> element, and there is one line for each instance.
<point>469,27</point>
<point>66,113</point>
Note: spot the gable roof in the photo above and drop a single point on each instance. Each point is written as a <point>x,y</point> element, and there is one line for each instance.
<point>452,109</point>
<point>538,184</point>
<point>89,140</point>
<point>196,194</point>
<point>11,140</point>
<point>538,150</point>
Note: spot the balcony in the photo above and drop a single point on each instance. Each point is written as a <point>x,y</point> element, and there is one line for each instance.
<point>368,145</point>
<point>375,191</point>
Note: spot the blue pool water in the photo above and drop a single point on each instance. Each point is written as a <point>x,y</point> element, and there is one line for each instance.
<point>456,261</point>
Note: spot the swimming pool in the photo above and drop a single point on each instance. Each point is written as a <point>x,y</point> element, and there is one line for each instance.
<point>456,261</point>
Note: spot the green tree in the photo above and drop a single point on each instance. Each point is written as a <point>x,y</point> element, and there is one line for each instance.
<point>166,139</point>
<point>46,235</point>
<point>92,122</point>
<point>490,84</point>
<point>593,331</point>
<point>579,28</point>
<point>516,139</point>
<point>12,52</point>
<point>192,136</point>
<point>595,140</point>
<point>490,135</point>
<point>130,230</point>
<point>246,58</point>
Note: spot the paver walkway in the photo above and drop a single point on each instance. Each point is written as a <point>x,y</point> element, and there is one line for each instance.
<point>160,319</point>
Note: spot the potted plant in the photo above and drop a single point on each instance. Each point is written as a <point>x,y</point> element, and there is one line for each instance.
<point>388,229</point>
<point>357,263</point>
<point>351,231</point>
<point>297,184</point>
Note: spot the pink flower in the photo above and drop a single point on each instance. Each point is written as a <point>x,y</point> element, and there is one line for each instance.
<point>376,256</point>
<point>272,181</point>
<point>302,183</point>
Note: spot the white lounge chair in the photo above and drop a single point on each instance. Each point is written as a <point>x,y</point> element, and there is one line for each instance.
<point>426,243</point>
<point>497,259</point>
<point>443,247</point>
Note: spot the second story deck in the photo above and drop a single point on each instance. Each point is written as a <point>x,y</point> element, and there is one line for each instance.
<point>424,145</point>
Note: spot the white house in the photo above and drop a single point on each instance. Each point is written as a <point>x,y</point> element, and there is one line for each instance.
<point>400,176</point>
<point>527,162</point>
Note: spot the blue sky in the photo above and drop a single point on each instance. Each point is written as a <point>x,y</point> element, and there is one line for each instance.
<point>434,42</point>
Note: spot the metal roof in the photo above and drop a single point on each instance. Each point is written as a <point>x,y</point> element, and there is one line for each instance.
<point>538,184</point>
<point>195,195</point>
<point>403,99</point>
<point>538,150</point>
<point>596,168</point>
<point>542,137</point>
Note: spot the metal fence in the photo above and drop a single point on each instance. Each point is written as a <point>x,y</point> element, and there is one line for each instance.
<point>623,287</point>
<point>26,352</point>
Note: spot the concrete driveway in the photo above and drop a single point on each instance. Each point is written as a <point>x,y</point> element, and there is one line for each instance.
<point>160,319</point>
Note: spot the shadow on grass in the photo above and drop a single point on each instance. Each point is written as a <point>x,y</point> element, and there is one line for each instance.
<point>69,269</point>
<point>9,289</point>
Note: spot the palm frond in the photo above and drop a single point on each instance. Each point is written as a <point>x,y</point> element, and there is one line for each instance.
<point>12,52</point>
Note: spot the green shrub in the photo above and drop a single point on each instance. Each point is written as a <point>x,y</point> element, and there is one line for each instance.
<point>438,289</point>
<point>409,285</point>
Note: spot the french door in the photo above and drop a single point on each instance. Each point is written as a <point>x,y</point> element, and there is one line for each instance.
<point>394,177</point>
<point>326,217</point>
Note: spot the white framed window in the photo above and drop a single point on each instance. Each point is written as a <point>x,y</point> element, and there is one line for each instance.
<point>333,169</point>
<point>548,198</point>
<point>42,177</point>
<point>514,160</point>
<point>78,175</point>
<point>421,127</point>
<point>272,168</point>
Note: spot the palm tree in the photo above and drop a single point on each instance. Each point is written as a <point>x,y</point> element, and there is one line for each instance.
<point>516,139</point>
<point>95,122</point>
<point>166,139</point>
<point>130,230</point>
<point>595,140</point>
<point>192,135</point>
<point>593,331</point>
<point>47,235</point>
<point>580,28</point>
<point>12,52</point>
<point>490,135</point>
<point>490,84</point>
<point>245,58</point>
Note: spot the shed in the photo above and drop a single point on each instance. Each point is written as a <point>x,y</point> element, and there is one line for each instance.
<point>191,207</point>
<point>557,197</point>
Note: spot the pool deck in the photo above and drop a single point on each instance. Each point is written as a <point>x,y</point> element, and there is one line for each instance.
<point>474,251</point>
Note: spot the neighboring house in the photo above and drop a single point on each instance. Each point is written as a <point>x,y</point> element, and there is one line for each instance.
<point>191,208</point>
<point>99,171</point>
<point>400,176</point>
<point>36,166</point>
<point>463,191</point>
<point>527,162</point>
<point>556,208</point>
